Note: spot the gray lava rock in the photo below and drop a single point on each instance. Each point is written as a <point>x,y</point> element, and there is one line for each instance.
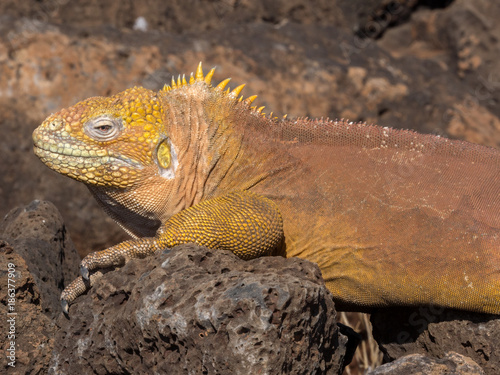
<point>37,234</point>
<point>194,310</point>
<point>27,334</point>
<point>36,261</point>
<point>434,331</point>
<point>419,364</point>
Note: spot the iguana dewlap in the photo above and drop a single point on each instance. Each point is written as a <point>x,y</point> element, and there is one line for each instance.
<point>392,217</point>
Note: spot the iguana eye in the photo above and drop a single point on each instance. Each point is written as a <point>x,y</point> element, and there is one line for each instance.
<point>103,128</point>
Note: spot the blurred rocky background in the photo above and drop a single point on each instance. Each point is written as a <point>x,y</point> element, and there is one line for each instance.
<point>432,66</point>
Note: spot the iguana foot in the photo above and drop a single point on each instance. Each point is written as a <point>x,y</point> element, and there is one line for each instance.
<point>118,255</point>
<point>77,288</point>
<point>94,265</point>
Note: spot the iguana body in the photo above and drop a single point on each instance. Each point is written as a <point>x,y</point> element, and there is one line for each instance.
<point>392,217</point>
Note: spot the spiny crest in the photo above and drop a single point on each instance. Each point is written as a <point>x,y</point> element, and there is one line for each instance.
<point>198,76</point>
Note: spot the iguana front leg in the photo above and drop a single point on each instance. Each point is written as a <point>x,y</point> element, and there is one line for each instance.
<point>245,223</point>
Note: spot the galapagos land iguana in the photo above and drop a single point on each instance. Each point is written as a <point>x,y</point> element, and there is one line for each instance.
<point>392,217</point>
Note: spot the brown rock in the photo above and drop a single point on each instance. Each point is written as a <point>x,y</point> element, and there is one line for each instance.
<point>34,266</point>
<point>176,16</point>
<point>27,334</point>
<point>434,331</point>
<point>463,39</point>
<point>38,235</point>
<point>418,364</point>
<point>193,309</point>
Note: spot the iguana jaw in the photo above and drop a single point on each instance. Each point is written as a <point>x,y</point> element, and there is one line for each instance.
<point>74,159</point>
<point>86,168</point>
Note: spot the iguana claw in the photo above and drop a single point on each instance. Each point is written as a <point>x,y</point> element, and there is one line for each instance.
<point>84,271</point>
<point>65,307</point>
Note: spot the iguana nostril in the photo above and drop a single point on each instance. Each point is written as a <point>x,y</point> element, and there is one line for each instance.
<point>55,125</point>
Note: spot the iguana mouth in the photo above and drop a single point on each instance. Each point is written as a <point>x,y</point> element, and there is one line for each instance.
<point>72,156</point>
<point>94,170</point>
<point>64,156</point>
<point>54,149</point>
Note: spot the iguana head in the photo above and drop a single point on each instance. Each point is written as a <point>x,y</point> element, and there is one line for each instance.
<point>108,141</point>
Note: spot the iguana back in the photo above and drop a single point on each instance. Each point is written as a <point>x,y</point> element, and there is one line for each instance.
<point>392,217</point>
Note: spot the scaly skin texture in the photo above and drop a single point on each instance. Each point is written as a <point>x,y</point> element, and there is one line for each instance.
<point>392,217</point>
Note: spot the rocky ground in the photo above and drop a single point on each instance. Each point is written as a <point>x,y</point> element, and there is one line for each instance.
<point>426,65</point>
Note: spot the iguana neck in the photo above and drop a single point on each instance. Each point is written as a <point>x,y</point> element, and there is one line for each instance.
<point>221,145</point>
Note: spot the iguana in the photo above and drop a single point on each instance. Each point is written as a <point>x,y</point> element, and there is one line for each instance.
<point>392,217</point>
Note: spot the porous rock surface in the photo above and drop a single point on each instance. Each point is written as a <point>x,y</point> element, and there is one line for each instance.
<point>433,331</point>
<point>194,310</point>
<point>39,258</point>
<point>419,364</point>
<point>25,328</point>
<point>38,235</point>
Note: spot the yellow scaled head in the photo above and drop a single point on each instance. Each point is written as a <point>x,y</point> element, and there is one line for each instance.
<point>106,141</point>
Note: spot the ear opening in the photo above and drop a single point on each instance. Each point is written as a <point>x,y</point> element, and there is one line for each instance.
<point>166,158</point>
